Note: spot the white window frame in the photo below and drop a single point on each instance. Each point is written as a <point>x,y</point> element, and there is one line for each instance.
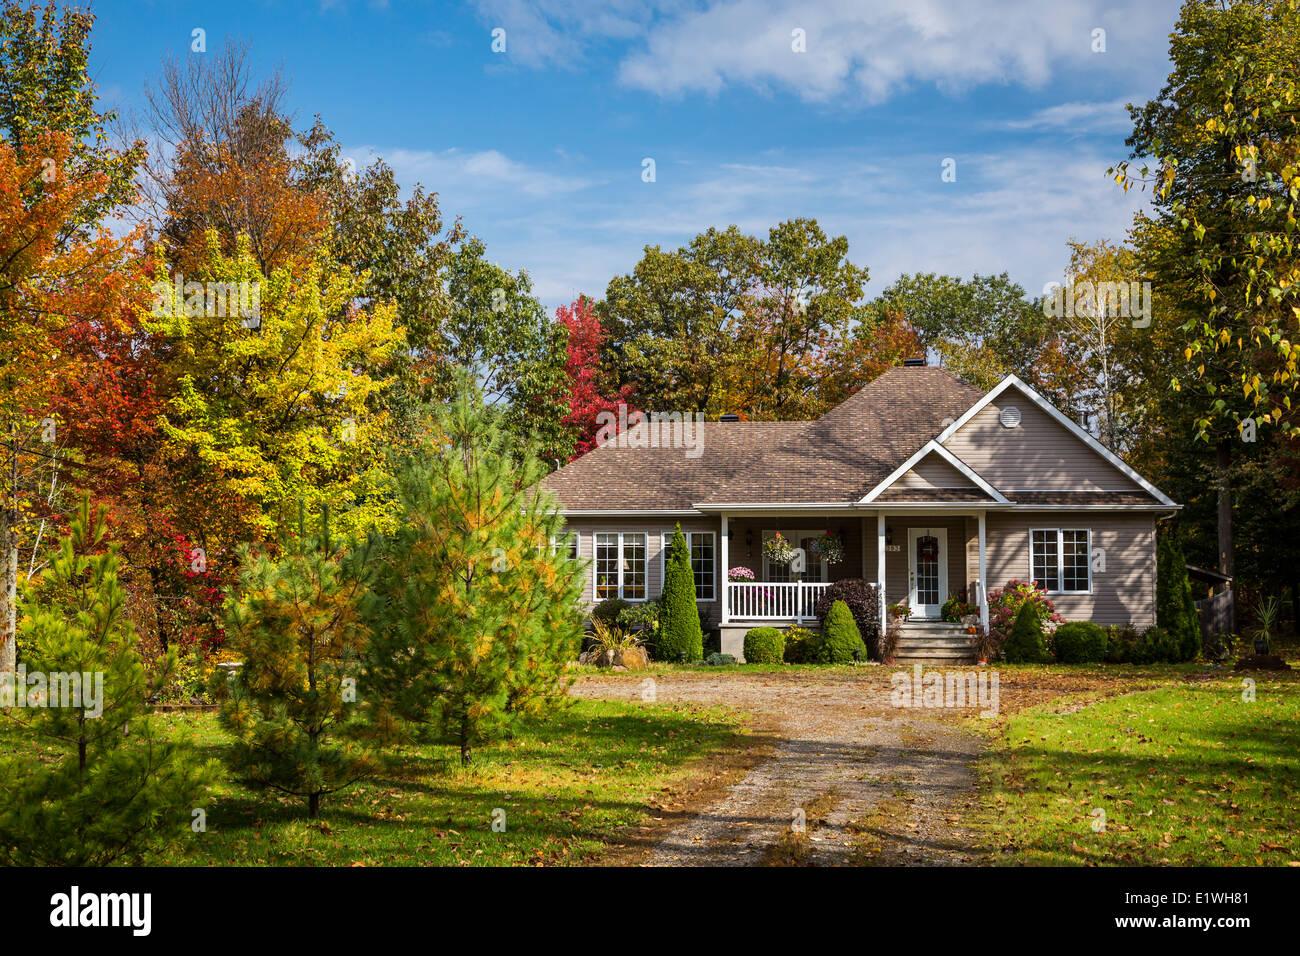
<point>665,539</point>
<point>1060,557</point>
<point>793,537</point>
<point>595,566</point>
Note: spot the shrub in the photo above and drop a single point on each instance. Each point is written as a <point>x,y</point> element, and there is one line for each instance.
<point>1125,645</point>
<point>764,645</point>
<point>801,646</point>
<point>1005,603</point>
<point>1120,641</point>
<point>717,659</point>
<point>679,614</point>
<point>840,636</point>
<point>1175,606</point>
<point>863,603</point>
<point>1080,642</point>
<point>1024,645</point>
<point>609,609</point>
<point>642,617</point>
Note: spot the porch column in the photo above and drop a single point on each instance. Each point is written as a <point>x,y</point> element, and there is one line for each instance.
<point>726,587</point>
<point>880,567</point>
<point>983,582</point>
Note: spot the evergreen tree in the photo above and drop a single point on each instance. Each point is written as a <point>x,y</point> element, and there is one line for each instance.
<point>1175,607</point>
<point>1025,644</point>
<point>679,615</point>
<point>840,636</point>
<point>297,628</point>
<point>94,783</point>
<point>476,608</point>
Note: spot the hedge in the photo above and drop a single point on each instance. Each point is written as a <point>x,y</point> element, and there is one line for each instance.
<point>1080,642</point>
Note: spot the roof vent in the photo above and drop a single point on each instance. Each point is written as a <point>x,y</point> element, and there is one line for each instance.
<point>914,362</point>
<point>730,417</point>
<point>1009,416</point>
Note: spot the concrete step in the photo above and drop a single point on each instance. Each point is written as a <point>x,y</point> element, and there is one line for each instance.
<point>902,660</point>
<point>936,645</point>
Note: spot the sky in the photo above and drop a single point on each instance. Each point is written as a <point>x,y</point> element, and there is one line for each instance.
<point>752,112</point>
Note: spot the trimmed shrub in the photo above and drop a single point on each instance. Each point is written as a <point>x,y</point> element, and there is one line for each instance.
<point>1005,603</point>
<point>864,604</point>
<point>1024,645</point>
<point>840,636</point>
<point>609,609</point>
<point>801,646</point>
<point>764,645</point>
<point>1080,642</point>
<point>679,614</point>
<point>1175,606</point>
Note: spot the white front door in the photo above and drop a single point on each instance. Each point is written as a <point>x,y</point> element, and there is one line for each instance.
<point>927,571</point>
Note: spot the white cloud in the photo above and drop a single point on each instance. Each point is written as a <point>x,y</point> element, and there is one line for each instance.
<point>470,173</point>
<point>855,50</point>
<point>1110,116</point>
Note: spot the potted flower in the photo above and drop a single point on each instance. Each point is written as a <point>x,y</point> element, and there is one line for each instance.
<point>778,549</point>
<point>830,547</point>
<point>741,573</point>
<point>1267,611</point>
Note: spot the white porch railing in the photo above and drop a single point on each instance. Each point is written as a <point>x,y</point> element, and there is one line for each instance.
<point>774,601</point>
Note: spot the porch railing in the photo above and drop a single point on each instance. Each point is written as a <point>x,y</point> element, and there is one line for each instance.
<point>774,601</point>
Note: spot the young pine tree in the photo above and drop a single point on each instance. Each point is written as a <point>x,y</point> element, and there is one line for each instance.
<point>94,782</point>
<point>477,603</point>
<point>679,617</point>
<point>296,626</point>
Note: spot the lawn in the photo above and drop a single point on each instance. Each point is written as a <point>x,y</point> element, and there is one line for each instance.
<point>573,787</point>
<point>1189,774</point>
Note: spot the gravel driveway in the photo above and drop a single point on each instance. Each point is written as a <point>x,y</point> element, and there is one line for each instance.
<point>873,783</point>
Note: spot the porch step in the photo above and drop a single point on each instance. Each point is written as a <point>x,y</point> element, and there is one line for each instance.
<point>933,642</point>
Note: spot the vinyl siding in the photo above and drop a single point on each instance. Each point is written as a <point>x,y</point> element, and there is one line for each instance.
<point>654,530</point>
<point>1038,454</point>
<point>932,471</point>
<point>1124,592</point>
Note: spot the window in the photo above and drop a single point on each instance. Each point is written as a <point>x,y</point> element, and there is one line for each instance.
<point>620,565</point>
<point>1059,560</point>
<point>814,570</point>
<point>702,563</point>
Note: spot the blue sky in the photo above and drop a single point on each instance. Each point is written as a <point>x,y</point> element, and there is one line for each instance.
<point>540,148</point>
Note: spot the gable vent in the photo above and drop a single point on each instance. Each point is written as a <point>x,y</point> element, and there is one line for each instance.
<point>914,362</point>
<point>730,417</point>
<point>1009,416</point>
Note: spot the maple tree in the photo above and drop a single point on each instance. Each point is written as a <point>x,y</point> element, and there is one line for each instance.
<point>586,393</point>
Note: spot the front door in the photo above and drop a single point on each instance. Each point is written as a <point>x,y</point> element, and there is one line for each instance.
<point>927,570</point>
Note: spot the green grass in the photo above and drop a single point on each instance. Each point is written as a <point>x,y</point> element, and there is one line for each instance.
<point>1186,775</point>
<point>571,785</point>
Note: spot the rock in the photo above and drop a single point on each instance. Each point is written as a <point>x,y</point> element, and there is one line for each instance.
<point>632,659</point>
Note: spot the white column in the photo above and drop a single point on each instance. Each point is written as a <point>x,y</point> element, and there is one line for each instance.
<point>880,567</point>
<point>725,583</point>
<point>983,582</point>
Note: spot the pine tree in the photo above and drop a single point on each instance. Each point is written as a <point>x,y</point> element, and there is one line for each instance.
<point>840,636</point>
<point>95,783</point>
<point>679,617</point>
<point>297,628</point>
<point>1175,606</point>
<point>477,603</point>
<point>1025,644</point>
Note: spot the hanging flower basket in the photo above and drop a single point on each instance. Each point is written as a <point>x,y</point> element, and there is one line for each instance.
<point>829,547</point>
<point>778,550</point>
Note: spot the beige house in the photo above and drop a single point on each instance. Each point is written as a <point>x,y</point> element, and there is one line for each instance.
<point>930,486</point>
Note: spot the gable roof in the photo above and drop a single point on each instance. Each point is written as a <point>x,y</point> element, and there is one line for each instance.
<point>854,455</point>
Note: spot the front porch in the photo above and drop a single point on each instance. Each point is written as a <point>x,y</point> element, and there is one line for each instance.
<point>911,555</point>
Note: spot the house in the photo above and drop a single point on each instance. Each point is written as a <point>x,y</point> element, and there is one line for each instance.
<point>932,487</point>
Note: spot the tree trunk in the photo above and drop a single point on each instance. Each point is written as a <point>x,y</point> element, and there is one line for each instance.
<point>464,741</point>
<point>1223,465</point>
<point>313,804</point>
<point>8,593</point>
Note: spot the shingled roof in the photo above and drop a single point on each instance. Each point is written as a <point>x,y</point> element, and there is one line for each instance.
<point>837,458</point>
